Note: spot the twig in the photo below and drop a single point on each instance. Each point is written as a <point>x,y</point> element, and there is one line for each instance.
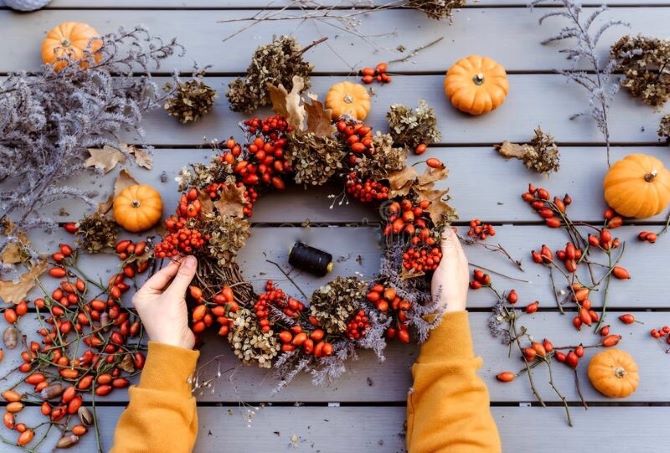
<point>579,389</point>
<point>553,289</point>
<point>558,393</point>
<point>414,52</point>
<point>289,278</point>
<point>499,273</point>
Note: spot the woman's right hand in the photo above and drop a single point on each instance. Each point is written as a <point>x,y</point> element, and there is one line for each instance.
<point>449,286</point>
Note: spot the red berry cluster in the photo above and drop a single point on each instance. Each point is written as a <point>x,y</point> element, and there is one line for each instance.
<point>537,350</point>
<point>612,219</point>
<point>357,136</point>
<point>480,279</point>
<point>479,230</point>
<point>135,255</point>
<point>386,300</point>
<point>366,191</point>
<point>550,211</point>
<point>275,297</point>
<point>661,334</point>
<point>378,73</point>
<point>421,259</point>
<point>358,326</point>
<point>647,236</point>
<point>216,308</point>
<point>312,343</point>
<point>604,240</point>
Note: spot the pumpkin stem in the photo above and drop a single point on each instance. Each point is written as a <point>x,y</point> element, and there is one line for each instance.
<point>649,177</point>
<point>135,203</point>
<point>348,99</point>
<point>619,372</point>
<point>65,43</point>
<point>478,78</point>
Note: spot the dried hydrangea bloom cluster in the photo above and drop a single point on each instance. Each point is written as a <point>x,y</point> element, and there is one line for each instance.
<point>42,136</point>
<point>645,63</point>
<point>303,145</point>
<point>540,155</point>
<point>412,127</point>
<point>275,63</point>
<point>190,100</point>
<point>436,9</point>
<point>664,129</point>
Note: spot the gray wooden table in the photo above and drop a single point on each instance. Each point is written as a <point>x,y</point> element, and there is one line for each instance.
<point>364,410</point>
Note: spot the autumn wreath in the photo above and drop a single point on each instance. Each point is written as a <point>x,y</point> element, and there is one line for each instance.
<point>302,144</point>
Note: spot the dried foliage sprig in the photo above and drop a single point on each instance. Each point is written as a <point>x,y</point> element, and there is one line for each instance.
<point>49,119</point>
<point>540,155</point>
<point>664,129</point>
<point>645,63</point>
<point>599,83</point>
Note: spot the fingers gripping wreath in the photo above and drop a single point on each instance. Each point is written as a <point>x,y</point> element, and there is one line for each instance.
<point>301,144</point>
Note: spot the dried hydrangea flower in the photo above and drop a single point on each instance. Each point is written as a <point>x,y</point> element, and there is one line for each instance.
<point>96,232</point>
<point>251,345</point>
<point>227,236</point>
<point>276,64</point>
<point>333,304</point>
<point>664,129</point>
<point>190,100</point>
<point>540,155</point>
<point>314,158</point>
<point>436,9</point>
<point>411,127</point>
<point>384,159</point>
<point>645,63</point>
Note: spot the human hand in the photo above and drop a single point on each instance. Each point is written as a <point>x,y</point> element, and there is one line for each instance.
<point>449,286</point>
<point>161,304</point>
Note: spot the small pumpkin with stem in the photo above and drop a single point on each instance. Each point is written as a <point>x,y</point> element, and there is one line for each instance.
<point>614,373</point>
<point>347,98</point>
<point>138,207</point>
<point>70,41</point>
<point>476,84</point>
<point>637,186</point>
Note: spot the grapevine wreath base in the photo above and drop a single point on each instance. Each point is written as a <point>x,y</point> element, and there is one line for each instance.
<point>301,143</point>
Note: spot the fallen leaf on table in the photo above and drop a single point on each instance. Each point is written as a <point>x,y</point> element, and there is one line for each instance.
<point>123,180</point>
<point>15,291</point>
<point>432,175</point>
<point>143,158</point>
<point>105,158</point>
<point>232,200</point>
<point>14,252</point>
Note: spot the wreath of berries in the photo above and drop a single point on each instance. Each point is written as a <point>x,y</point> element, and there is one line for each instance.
<point>272,329</point>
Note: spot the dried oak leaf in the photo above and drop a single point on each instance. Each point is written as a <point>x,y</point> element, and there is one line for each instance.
<point>142,157</point>
<point>439,210</point>
<point>288,104</point>
<point>318,117</point>
<point>232,200</point>
<point>15,251</point>
<point>14,291</point>
<point>401,181</point>
<point>104,159</point>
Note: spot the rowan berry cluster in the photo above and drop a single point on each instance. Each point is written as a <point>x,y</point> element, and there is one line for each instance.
<point>277,298</point>
<point>358,326</point>
<point>378,73</point>
<point>386,300</point>
<point>479,230</point>
<point>365,191</point>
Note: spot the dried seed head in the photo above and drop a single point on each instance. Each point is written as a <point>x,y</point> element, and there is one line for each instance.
<point>85,416</point>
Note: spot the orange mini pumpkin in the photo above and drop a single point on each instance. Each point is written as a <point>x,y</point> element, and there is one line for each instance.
<point>476,84</point>
<point>637,186</point>
<point>70,40</point>
<point>614,373</point>
<point>347,98</point>
<point>138,207</point>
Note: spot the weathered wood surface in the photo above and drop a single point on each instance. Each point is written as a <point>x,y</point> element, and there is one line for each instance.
<point>519,47</point>
<point>482,185</point>
<point>380,429</point>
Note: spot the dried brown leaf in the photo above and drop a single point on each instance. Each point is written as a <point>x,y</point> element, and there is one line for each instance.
<point>439,210</point>
<point>289,104</point>
<point>431,175</point>
<point>401,181</point>
<point>318,118</point>
<point>232,200</point>
<point>104,159</point>
<point>14,291</point>
<point>123,180</point>
<point>142,157</point>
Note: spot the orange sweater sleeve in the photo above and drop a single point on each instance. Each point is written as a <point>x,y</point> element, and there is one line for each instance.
<point>448,408</point>
<point>161,415</point>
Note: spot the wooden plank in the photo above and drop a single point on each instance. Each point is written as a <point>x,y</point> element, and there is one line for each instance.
<point>217,4</point>
<point>366,429</point>
<point>518,48</point>
<point>367,380</point>
<point>357,251</point>
<point>581,173</point>
<point>526,108</point>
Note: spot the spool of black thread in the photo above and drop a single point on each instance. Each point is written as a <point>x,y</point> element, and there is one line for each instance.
<point>309,259</point>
